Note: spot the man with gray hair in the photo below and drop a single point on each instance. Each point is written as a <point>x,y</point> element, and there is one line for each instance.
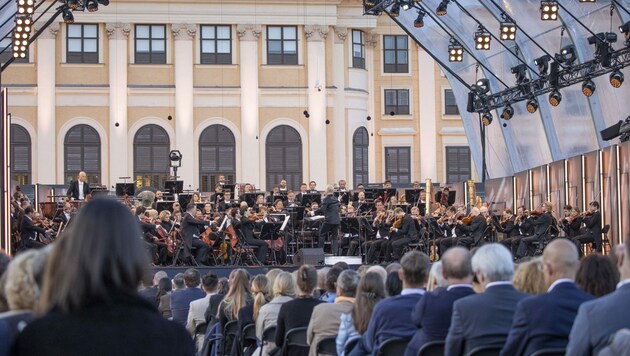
<point>475,230</point>
<point>485,319</point>
<point>330,210</point>
<point>326,317</point>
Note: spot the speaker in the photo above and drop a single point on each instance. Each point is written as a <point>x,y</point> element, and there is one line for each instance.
<point>309,256</point>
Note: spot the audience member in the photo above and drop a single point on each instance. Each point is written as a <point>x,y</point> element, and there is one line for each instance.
<point>529,277</point>
<point>597,275</point>
<point>382,326</point>
<point>213,306</point>
<point>90,303</point>
<point>380,271</point>
<point>331,285</point>
<point>545,321</point>
<point>341,265</point>
<point>271,276</point>
<point>432,314</point>
<point>150,290</point>
<point>197,308</point>
<point>392,267</point>
<point>236,298</point>
<point>393,284</point>
<point>485,319</point>
<point>181,298</point>
<point>4,262</point>
<point>321,281</point>
<point>283,291</point>
<point>436,279</point>
<point>261,294</point>
<point>325,319</point>
<point>297,312</point>
<point>165,286</point>
<point>599,319</point>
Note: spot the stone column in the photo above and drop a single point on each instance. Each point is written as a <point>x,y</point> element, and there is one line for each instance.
<point>119,157</point>
<point>371,39</point>
<point>248,35</point>
<point>341,168</point>
<point>316,61</point>
<point>46,107</point>
<point>428,119</point>
<point>184,35</point>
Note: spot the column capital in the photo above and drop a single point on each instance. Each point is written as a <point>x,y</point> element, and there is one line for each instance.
<point>371,38</point>
<point>341,34</point>
<point>248,32</point>
<point>315,33</point>
<point>184,31</point>
<point>118,31</point>
<point>49,33</point>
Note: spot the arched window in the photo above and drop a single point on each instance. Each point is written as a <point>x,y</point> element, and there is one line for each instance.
<point>82,152</point>
<point>284,157</point>
<point>151,147</point>
<point>217,156</point>
<point>20,155</point>
<point>360,144</point>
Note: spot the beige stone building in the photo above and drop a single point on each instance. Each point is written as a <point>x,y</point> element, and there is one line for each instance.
<point>258,91</point>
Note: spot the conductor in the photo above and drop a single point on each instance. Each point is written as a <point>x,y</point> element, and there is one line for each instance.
<point>330,210</point>
<point>79,188</point>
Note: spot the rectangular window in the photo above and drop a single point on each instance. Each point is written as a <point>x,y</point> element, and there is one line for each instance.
<point>397,101</point>
<point>6,50</point>
<point>150,44</point>
<point>282,45</point>
<point>358,50</point>
<point>395,54</point>
<point>398,165</point>
<point>450,106</point>
<point>216,44</point>
<point>82,43</point>
<point>457,164</point>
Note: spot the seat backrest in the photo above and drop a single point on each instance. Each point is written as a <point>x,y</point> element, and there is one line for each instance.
<point>350,344</point>
<point>269,334</point>
<point>327,346</point>
<point>201,329</point>
<point>606,229</point>
<point>550,352</point>
<point>485,351</point>
<point>249,333</point>
<point>295,339</point>
<point>393,347</point>
<point>231,328</point>
<point>433,348</point>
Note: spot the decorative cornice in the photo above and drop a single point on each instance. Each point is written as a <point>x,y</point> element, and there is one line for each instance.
<point>342,34</point>
<point>315,33</point>
<point>248,32</point>
<point>371,38</point>
<point>184,32</point>
<point>118,31</point>
<point>50,33</point>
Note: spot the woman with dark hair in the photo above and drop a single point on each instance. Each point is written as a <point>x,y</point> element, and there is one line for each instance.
<point>393,284</point>
<point>597,275</point>
<point>89,302</point>
<point>165,286</point>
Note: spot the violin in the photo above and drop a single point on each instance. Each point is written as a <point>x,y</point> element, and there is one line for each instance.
<point>467,219</point>
<point>397,224</point>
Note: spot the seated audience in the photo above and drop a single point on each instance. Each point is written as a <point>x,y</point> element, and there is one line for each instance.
<point>321,282</point>
<point>436,279</point>
<point>165,286</point>
<point>326,317</point>
<point>90,303</point>
<point>331,281</point>
<point>599,319</point>
<point>529,277</point>
<point>382,326</point>
<point>380,271</point>
<point>432,314</point>
<point>597,275</point>
<point>261,294</point>
<point>283,291</point>
<point>236,298</point>
<point>545,321</point>
<point>212,312</point>
<point>393,284</point>
<point>181,298</point>
<point>485,319</point>
<point>197,308</point>
<point>149,292</point>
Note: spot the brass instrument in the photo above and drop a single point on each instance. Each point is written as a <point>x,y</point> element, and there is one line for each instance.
<point>472,194</point>
<point>429,191</point>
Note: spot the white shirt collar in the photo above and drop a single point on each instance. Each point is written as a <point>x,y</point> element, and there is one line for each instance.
<point>561,280</point>
<point>458,286</point>
<point>498,283</point>
<point>623,283</point>
<point>407,291</point>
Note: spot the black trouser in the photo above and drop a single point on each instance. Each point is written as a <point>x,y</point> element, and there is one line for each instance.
<point>375,249</point>
<point>324,231</point>
<point>30,243</point>
<point>466,241</point>
<point>585,239</point>
<point>202,250</point>
<point>511,243</point>
<point>447,242</point>
<point>398,246</point>
<point>260,246</point>
<point>526,244</point>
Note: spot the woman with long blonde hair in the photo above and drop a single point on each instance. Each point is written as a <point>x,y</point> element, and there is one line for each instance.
<point>236,298</point>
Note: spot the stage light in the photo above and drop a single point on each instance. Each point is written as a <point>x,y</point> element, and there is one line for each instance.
<point>567,55</point>
<point>455,52</point>
<point>625,28</point>
<point>532,105</point>
<point>520,72</point>
<point>73,4</point>
<point>306,114</point>
<point>588,0</point>
<point>549,10</point>
<point>91,5</point>
<point>482,86</point>
<point>486,118</point>
<point>405,6</point>
<point>419,21</point>
<point>25,7</point>
<point>555,98</point>
<point>588,88</point>
<point>395,10</point>
<point>482,39</point>
<point>616,79</point>
<point>67,15</point>
<point>543,64</point>
<point>508,112</point>
<point>21,35</point>
<point>175,158</point>
<point>103,2</point>
<point>508,31</point>
<point>441,9</point>
<point>369,3</point>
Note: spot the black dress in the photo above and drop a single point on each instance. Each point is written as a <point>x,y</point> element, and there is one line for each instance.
<point>294,314</point>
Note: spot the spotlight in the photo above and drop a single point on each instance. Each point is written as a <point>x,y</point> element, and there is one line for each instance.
<point>405,6</point>
<point>482,39</point>
<point>520,71</point>
<point>67,15</point>
<point>543,64</point>
<point>532,105</point>
<point>419,22</point>
<point>170,118</point>
<point>616,79</point>
<point>441,9</point>
<point>327,122</point>
<point>395,10</point>
<point>306,114</point>
<point>625,28</point>
<point>175,158</point>
<point>482,86</point>
<point>567,55</point>
<point>588,88</point>
<point>486,118</point>
<point>555,98</point>
<point>368,118</point>
<point>455,51</point>
<point>73,4</point>
<point>103,2</point>
<point>508,31</point>
<point>25,7</point>
<point>603,49</point>
<point>369,3</point>
<point>508,112</point>
<point>549,10</point>
<point>91,5</point>
<point>20,35</point>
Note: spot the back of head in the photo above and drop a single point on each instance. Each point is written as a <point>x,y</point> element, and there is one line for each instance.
<point>393,284</point>
<point>272,274</point>
<point>164,285</point>
<point>330,189</point>
<point>223,286</point>
<point>158,276</point>
<point>178,281</point>
<point>562,256</point>
<point>529,277</point>
<point>371,290</point>
<point>347,283</point>
<point>97,258</point>
<point>22,288</point>
<point>415,269</point>
<point>436,277</point>
<point>210,281</point>
<point>597,275</point>
<point>192,278</point>
<point>494,262</point>
<point>456,263</point>
<point>306,280</point>
<point>341,265</point>
<point>260,292</point>
<point>331,278</point>
<point>379,270</point>
<point>238,294</point>
<point>321,278</point>
<point>284,285</point>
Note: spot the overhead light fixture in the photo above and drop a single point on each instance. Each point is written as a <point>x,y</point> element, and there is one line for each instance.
<point>482,39</point>
<point>486,118</point>
<point>103,2</point>
<point>508,31</point>
<point>369,3</point>
<point>395,10</point>
<point>21,35</point>
<point>405,5</point>
<point>603,49</point>
<point>482,86</point>
<point>588,0</point>
<point>73,4</point>
<point>555,98</point>
<point>543,64</point>
<point>520,71</point>
<point>441,9</point>
<point>175,158</point>
<point>549,10</point>
<point>625,28</point>
<point>508,112</point>
<point>25,7</point>
<point>567,55</point>
<point>588,88</point>
<point>419,21</point>
<point>616,78</point>
<point>532,105</point>
<point>455,51</point>
<point>91,5</point>
<point>306,114</point>
<point>67,15</point>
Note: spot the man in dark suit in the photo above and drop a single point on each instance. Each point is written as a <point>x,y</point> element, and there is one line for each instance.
<point>545,321</point>
<point>432,314</point>
<point>66,215</point>
<point>593,223</point>
<point>474,232</point>
<point>598,319</point>
<point>403,235</point>
<point>247,227</point>
<point>29,232</point>
<point>149,292</point>
<point>79,188</point>
<point>508,228</point>
<point>180,299</point>
<point>541,226</point>
<point>330,210</point>
<point>485,319</point>
<point>190,234</point>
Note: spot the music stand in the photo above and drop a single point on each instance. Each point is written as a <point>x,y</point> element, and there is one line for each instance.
<point>345,197</point>
<point>123,189</point>
<point>184,200</point>
<point>250,198</point>
<point>412,196</point>
<point>164,205</point>
<point>269,232</point>
<point>365,208</point>
<point>352,226</point>
<point>380,193</point>
<point>308,199</point>
<point>174,186</point>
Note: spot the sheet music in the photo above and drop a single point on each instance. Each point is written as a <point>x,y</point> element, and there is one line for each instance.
<point>285,222</point>
<point>223,223</point>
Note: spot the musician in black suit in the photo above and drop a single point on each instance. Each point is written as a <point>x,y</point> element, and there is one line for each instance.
<point>190,234</point>
<point>291,201</point>
<point>303,190</point>
<point>332,220</point>
<point>474,232</point>
<point>227,202</point>
<point>507,226</point>
<point>66,215</point>
<point>572,222</point>
<point>380,225</point>
<point>30,232</point>
<point>79,188</point>
<point>541,225</point>
<point>402,236</point>
<point>593,223</point>
<point>247,226</point>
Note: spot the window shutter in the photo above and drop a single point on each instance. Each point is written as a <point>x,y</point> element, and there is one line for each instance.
<point>284,157</point>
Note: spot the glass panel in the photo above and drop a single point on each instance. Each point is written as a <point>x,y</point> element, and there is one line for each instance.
<point>142,46</point>
<point>90,31</point>
<point>90,45</point>
<point>223,47</point>
<point>522,190</point>
<point>539,187</point>
<point>403,97</point>
<point>289,33</point>
<point>207,31</point>
<point>74,30</point>
<point>574,179</point>
<point>274,47</point>
<point>390,97</point>
<point>157,45</point>
<point>223,32</point>
<point>142,31</point>
<point>356,36</point>
<point>401,57</point>
<point>207,46</point>
<point>388,42</point>
<point>274,32</point>
<point>74,45</point>
<point>157,31</point>
<point>556,186</point>
<point>499,193</point>
<point>390,57</point>
<point>290,47</point>
<point>624,186</point>
<point>357,51</point>
<point>401,42</point>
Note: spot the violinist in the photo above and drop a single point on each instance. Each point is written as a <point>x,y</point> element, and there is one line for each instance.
<point>475,230</point>
<point>248,224</point>
<point>227,202</point>
<point>278,207</point>
<point>507,225</point>
<point>207,210</point>
<point>402,232</point>
<point>381,225</point>
<point>30,232</point>
<point>165,220</point>
<point>149,233</point>
<point>217,196</point>
<point>572,222</point>
<point>592,219</point>
<point>66,214</point>
<point>541,225</point>
<point>260,202</point>
<point>176,209</point>
<point>190,235</point>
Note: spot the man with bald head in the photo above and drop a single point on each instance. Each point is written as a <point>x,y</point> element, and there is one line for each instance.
<point>79,189</point>
<point>545,321</point>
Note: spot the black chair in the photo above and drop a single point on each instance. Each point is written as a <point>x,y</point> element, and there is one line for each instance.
<point>201,329</point>
<point>350,344</point>
<point>295,339</point>
<point>550,352</point>
<point>433,348</point>
<point>327,346</point>
<point>485,351</point>
<point>230,333</point>
<point>269,335</point>
<point>249,336</point>
<point>605,240</point>
<point>393,347</point>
